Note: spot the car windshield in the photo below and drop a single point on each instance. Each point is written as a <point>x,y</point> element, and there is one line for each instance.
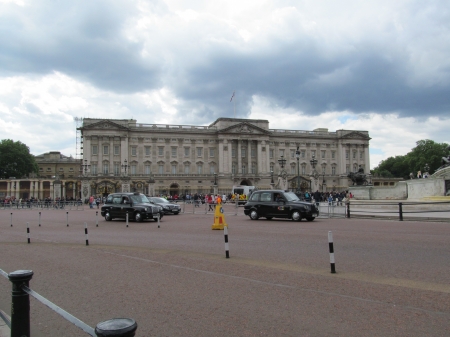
<point>160,200</point>
<point>140,198</point>
<point>290,196</point>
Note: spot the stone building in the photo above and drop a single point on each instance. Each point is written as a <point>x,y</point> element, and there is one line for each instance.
<point>58,178</point>
<point>124,155</point>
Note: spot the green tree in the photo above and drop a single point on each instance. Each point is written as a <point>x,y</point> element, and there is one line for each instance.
<point>16,160</point>
<point>426,152</point>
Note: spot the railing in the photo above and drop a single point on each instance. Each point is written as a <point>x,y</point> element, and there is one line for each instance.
<point>400,210</point>
<point>20,311</point>
<point>54,205</point>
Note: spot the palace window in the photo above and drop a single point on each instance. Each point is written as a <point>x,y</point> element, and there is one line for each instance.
<point>147,169</point>
<point>333,154</point>
<point>253,153</point>
<point>133,169</point>
<point>187,168</point>
<point>211,152</point>
<point>233,152</point>
<point>303,169</point>
<point>199,152</point>
<point>333,170</point>
<point>187,151</point>
<point>270,153</point>
<point>174,152</point>
<point>161,168</point>
<point>323,153</point>
<point>94,168</point>
<point>148,151</point>
<point>233,168</point>
<point>174,169</point>
<point>253,168</point>
<point>116,150</point>
<point>116,169</point>
<point>199,168</point>
<point>243,152</point>
<point>244,169</point>
<point>105,149</point>
<point>134,150</point>
<point>160,150</point>
<point>94,150</point>
<point>105,168</point>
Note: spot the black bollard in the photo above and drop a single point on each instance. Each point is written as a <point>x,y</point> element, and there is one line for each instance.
<point>400,211</point>
<point>116,327</point>
<point>348,210</point>
<point>20,305</point>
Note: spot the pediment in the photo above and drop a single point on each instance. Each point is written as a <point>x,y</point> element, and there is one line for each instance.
<point>244,128</point>
<point>104,125</point>
<point>356,135</point>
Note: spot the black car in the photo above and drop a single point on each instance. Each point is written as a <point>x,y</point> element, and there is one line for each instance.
<point>137,206</point>
<point>168,207</point>
<point>279,204</point>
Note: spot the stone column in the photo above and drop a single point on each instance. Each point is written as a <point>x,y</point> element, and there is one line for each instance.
<point>221,157</point>
<point>239,158</point>
<point>8,188</point>
<point>260,169</point>
<point>63,184</point>
<point>230,157</point>
<point>249,156</point>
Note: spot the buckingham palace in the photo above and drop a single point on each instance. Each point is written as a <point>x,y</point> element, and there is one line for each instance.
<point>124,155</point>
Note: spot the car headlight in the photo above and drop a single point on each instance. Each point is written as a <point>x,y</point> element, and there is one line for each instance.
<point>166,207</point>
<point>145,209</point>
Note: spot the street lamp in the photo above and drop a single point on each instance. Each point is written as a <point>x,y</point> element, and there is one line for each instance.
<point>324,184</point>
<point>313,162</point>
<point>215,179</point>
<point>282,161</point>
<point>271,176</point>
<point>85,167</point>
<point>125,166</point>
<point>297,155</point>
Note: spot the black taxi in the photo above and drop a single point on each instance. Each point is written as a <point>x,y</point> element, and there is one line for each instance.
<point>136,205</point>
<point>279,204</point>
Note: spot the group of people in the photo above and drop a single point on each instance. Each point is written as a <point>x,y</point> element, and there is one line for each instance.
<point>47,202</point>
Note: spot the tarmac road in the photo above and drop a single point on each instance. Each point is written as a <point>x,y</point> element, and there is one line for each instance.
<point>392,277</point>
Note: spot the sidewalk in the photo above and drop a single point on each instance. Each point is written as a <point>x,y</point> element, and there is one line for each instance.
<point>5,331</point>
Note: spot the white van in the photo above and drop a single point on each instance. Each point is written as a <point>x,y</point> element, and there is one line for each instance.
<point>243,190</point>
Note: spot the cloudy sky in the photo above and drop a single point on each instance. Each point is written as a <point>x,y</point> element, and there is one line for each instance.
<point>376,65</point>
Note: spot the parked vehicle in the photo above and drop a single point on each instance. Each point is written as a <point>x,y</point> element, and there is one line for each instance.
<point>137,206</point>
<point>279,204</point>
<point>168,207</point>
<point>243,191</point>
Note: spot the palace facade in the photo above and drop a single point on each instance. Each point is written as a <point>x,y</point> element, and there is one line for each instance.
<point>124,155</point>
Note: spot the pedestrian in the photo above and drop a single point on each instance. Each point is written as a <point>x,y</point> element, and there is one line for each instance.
<point>91,201</point>
<point>97,202</point>
<point>210,202</point>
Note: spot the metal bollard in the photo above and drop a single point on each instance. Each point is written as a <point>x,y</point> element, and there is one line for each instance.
<point>116,327</point>
<point>96,218</point>
<point>11,220</point>
<point>348,210</point>
<point>39,219</point>
<point>127,219</point>
<point>67,218</point>
<point>400,211</point>
<point>20,305</point>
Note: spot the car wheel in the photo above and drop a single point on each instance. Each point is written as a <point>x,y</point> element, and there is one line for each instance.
<point>269,217</point>
<point>296,216</point>
<point>108,216</point>
<point>254,214</point>
<point>311,218</point>
<point>138,217</point>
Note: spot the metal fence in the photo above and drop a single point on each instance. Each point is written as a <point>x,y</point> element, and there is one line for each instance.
<point>54,205</point>
<point>20,311</point>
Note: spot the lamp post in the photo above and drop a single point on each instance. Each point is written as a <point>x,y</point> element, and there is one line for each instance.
<point>282,161</point>
<point>323,182</point>
<point>297,155</point>
<point>85,167</point>
<point>313,162</point>
<point>125,166</point>
<point>215,179</point>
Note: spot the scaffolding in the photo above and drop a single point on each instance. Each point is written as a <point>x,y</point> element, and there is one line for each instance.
<point>79,138</point>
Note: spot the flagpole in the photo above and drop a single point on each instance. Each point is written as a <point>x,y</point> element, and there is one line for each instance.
<point>234,105</point>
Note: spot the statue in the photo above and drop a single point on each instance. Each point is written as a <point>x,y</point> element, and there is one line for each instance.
<point>358,178</point>
<point>282,183</point>
<point>446,160</point>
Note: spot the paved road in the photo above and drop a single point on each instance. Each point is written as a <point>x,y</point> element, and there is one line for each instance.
<point>392,277</point>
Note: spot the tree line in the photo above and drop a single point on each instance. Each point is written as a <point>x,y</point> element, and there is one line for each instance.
<point>427,153</point>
